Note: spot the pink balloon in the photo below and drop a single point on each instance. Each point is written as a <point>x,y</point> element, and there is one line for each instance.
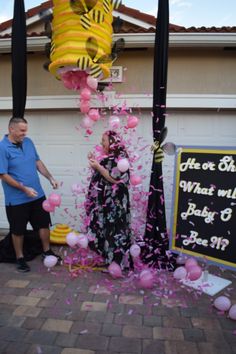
<point>54,199</point>
<point>68,83</point>
<point>194,272</point>
<point>144,272</point>
<point>94,114</point>
<point>85,94</point>
<point>114,122</point>
<point>50,261</point>
<point>222,303</point>
<point>87,122</point>
<point>115,270</point>
<point>83,241</point>
<point>47,206</point>
<point>123,165</point>
<point>132,122</point>
<point>180,273</point>
<point>190,262</point>
<point>232,312</point>
<point>135,180</point>
<point>135,250</point>
<point>72,239</point>
<point>92,82</point>
<point>84,106</point>
<point>76,81</point>
<point>146,279</point>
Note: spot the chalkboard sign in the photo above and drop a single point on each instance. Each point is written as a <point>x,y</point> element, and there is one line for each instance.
<point>204,204</point>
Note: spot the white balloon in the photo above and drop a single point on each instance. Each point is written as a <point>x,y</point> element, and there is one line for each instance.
<point>92,82</point>
<point>50,261</point>
<point>135,250</point>
<point>72,239</point>
<point>114,122</point>
<point>123,165</point>
<point>232,312</point>
<point>144,273</point>
<point>222,303</point>
<point>180,273</point>
<point>83,241</point>
<point>87,122</point>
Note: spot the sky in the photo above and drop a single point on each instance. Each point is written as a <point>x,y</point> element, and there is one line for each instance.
<point>185,13</point>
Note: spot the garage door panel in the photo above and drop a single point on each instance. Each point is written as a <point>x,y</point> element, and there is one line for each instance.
<point>227,130</point>
<point>191,126</point>
<point>57,154</point>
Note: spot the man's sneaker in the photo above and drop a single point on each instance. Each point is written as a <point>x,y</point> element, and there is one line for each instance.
<point>51,253</point>
<point>22,266</point>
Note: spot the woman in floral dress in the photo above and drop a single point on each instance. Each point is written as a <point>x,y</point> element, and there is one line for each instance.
<point>107,204</point>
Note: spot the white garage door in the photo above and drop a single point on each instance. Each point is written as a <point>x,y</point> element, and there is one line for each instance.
<point>63,146</point>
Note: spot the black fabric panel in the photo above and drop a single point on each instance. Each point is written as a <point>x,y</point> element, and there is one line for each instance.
<point>32,247</point>
<point>156,238</point>
<point>19,63</point>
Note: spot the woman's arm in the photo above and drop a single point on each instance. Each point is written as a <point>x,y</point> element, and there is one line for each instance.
<point>102,170</point>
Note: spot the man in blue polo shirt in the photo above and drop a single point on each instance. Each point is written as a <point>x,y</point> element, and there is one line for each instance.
<point>19,167</point>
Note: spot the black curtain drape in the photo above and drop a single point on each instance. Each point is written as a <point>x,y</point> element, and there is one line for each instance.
<point>155,251</point>
<point>19,63</point>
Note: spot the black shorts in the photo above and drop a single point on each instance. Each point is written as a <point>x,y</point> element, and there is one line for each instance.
<point>19,215</point>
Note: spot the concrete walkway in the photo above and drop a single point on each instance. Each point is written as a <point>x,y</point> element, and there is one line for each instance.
<point>51,312</point>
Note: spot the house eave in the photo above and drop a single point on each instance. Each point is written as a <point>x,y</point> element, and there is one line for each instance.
<point>144,40</point>
<point>183,40</point>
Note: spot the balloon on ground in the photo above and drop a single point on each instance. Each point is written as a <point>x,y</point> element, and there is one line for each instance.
<point>146,279</point>
<point>72,239</point>
<point>232,312</point>
<point>222,303</point>
<point>194,272</point>
<point>50,261</point>
<point>180,273</point>
<point>190,262</point>
<point>115,270</point>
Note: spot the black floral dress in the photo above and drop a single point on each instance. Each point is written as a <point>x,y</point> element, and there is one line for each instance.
<point>108,208</point>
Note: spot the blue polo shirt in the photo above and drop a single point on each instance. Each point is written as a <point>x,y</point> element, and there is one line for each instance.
<point>20,164</point>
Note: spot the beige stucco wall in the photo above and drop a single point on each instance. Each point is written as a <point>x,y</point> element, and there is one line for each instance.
<point>202,71</point>
<point>190,71</point>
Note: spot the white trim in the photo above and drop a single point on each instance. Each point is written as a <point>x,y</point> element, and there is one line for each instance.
<point>132,20</point>
<point>30,21</point>
<point>203,40</point>
<point>144,40</point>
<point>35,44</point>
<point>183,40</point>
<point>174,101</point>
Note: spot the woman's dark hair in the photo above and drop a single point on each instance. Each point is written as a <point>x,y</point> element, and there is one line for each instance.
<point>116,146</point>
